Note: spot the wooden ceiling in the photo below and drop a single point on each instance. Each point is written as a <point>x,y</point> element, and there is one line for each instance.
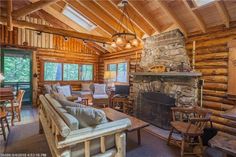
<point>148,17</point>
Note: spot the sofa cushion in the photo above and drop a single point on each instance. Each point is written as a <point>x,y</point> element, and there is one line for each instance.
<point>88,116</point>
<point>99,89</point>
<point>65,90</point>
<point>70,120</point>
<point>60,109</point>
<point>85,86</point>
<point>100,96</point>
<point>57,96</point>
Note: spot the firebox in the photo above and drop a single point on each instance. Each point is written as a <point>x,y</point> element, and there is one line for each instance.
<point>155,108</point>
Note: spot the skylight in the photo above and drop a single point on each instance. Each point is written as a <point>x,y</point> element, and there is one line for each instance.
<point>78,18</point>
<point>202,2</point>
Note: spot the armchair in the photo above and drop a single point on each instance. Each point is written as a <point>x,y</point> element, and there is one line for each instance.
<point>100,95</point>
<point>189,122</point>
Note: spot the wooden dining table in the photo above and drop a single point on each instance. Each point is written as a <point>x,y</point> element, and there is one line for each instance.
<point>7,95</point>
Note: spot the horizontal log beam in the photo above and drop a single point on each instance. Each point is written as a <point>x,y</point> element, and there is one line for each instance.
<point>58,31</point>
<point>32,8</point>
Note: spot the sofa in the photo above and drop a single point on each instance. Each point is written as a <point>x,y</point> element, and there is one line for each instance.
<point>65,137</point>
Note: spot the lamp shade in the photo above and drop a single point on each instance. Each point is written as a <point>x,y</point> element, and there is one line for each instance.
<point>1,77</point>
<point>109,74</point>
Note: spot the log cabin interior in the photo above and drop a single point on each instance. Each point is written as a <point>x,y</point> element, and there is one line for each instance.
<point>116,78</point>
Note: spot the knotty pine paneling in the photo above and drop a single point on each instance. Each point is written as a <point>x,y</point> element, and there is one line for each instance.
<point>212,60</point>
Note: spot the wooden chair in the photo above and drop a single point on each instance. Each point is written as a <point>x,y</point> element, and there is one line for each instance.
<point>3,117</point>
<point>190,124</point>
<point>17,104</point>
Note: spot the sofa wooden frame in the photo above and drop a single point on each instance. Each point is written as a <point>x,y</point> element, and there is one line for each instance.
<point>61,139</point>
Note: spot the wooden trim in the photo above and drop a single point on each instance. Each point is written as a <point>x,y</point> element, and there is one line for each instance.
<point>32,8</point>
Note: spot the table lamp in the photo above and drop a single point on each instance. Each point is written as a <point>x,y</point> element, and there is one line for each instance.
<point>109,77</point>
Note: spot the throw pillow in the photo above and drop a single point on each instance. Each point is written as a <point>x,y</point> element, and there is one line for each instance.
<point>65,103</point>
<point>99,89</point>
<point>48,88</point>
<point>54,86</point>
<point>85,86</point>
<point>57,96</point>
<point>65,90</point>
<point>88,116</point>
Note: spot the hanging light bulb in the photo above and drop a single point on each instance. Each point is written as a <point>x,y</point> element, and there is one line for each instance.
<point>119,41</point>
<point>135,42</point>
<point>113,44</point>
<point>128,46</point>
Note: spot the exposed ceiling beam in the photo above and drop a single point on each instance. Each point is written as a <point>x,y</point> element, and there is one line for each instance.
<point>53,30</point>
<point>9,15</point>
<point>101,13</point>
<point>145,14</point>
<point>196,16</point>
<point>223,12</point>
<point>138,19</point>
<point>53,21</point>
<point>32,8</point>
<point>117,13</point>
<point>91,16</point>
<point>173,16</point>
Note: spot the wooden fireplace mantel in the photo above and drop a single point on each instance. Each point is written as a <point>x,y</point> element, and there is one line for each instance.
<point>168,74</point>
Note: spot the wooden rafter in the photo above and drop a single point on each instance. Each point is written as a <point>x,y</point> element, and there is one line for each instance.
<point>223,12</point>
<point>9,15</point>
<point>101,13</point>
<point>138,19</point>
<point>53,30</point>
<point>173,16</point>
<point>196,16</point>
<point>116,13</point>
<point>91,16</point>
<point>145,14</point>
<point>32,8</point>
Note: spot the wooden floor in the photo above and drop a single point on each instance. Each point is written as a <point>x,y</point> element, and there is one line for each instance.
<point>24,138</point>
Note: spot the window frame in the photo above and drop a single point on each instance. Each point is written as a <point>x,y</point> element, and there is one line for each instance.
<point>117,62</point>
<point>62,80</point>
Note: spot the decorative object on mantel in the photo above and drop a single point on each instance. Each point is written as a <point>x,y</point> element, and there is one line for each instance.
<point>168,74</point>
<point>157,68</point>
<point>121,37</point>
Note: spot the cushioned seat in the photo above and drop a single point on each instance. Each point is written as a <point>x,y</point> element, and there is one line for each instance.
<point>100,96</point>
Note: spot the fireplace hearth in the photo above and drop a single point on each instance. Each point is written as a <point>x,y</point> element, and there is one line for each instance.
<point>155,108</point>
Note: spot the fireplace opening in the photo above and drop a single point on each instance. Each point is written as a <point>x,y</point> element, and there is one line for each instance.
<point>155,108</point>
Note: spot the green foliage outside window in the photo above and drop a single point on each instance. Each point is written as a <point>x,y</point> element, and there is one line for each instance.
<point>86,72</point>
<point>70,72</point>
<point>16,69</point>
<point>52,71</point>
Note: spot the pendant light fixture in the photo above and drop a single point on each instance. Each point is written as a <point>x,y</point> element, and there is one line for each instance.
<point>123,38</point>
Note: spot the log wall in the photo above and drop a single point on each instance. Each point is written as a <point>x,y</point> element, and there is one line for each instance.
<point>51,48</point>
<point>212,60</point>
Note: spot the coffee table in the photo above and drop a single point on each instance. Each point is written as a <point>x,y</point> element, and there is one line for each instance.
<point>136,124</point>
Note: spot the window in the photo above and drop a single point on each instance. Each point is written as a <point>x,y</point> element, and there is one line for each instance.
<point>86,72</point>
<point>78,18</point>
<point>52,71</point>
<point>70,72</point>
<point>121,70</point>
<point>202,2</point>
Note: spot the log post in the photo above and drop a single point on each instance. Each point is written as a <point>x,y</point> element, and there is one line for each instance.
<point>9,15</point>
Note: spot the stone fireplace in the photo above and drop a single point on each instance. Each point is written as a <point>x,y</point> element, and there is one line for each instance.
<point>155,93</point>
